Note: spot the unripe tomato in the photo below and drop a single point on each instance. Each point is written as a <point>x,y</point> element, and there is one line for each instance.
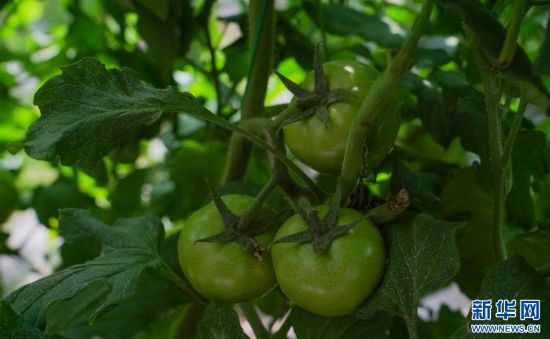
<point>223,271</point>
<point>322,147</point>
<point>334,282</point>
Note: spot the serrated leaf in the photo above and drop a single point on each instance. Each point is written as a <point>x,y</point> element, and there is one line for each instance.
<point>511,279</point>
<point>88,111</point>
<point>220,321</point>
<point>423,256</point>
<point>526,158</point>
<point>13,326</point>
<point>129,247</point>
<point>490,35</point>
<point>307,325</point>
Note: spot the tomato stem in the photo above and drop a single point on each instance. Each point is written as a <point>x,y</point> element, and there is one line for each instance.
<point>512,134</point>
<point>511,41</point>
<point>492,86</point>
<point>375,98</point>
<point>261,39</point>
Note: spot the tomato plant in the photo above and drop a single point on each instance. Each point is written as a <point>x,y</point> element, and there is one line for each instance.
<point>335,282</point>
<point>299,169</point>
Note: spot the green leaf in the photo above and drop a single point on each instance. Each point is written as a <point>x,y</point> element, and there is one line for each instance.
<point>511,279</point>
<point>130,247</point>
<point>526,158</point>
<point>422,257</point>
<point>543,61</point>
<point>490,35</point>
<point>13,326</point>
<point>342,20</point>
<point>462,196</point>
<point>220,321</point>
<point>307,325</point>
<point>532,246</point>
<point>88,111</point>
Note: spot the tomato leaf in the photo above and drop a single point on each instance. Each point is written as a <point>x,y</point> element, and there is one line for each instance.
<point>88,111</point>
<point>13,326</point>
<point>130,247</point>
<point>422,257</point>
<point>511,279</point>
<point>220,321</point>
<point>308,325</point>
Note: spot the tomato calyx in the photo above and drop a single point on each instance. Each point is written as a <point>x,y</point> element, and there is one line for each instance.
<point>320,232</point>
<point>314,102</point>
<point>238,228</point>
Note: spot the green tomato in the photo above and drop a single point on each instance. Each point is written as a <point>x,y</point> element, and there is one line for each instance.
<point>334,282</point>
<point>223,271</point>
<point>322,148</point>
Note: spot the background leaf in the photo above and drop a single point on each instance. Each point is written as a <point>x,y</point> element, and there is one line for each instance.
<point>126,254</point>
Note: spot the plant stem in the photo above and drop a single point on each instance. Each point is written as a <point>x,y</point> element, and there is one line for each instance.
<point>493,91</point>
<point>254,320</point>
<point>387,81</point>
<point>166,272</point>
<point>261,39</point>
<point>514,129</point>
<point>511,41</point>
<point>253,211</point>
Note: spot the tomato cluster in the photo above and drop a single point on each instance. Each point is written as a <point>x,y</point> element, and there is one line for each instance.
<point>331,282</point>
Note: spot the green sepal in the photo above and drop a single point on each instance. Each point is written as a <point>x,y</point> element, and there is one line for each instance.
<point>229,218</point>
<point>232,230</point>
<point>314,102</point>
<point>320,233</point>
